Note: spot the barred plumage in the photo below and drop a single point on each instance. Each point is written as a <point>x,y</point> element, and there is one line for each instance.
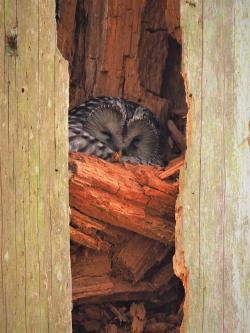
<point>105,125</point>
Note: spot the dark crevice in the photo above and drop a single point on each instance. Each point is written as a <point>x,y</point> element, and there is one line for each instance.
<point>172,84</point>
<point>155,30</point>
<point>78,57</point>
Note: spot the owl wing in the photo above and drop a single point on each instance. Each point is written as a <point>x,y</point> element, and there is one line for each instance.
<point>80,140</point>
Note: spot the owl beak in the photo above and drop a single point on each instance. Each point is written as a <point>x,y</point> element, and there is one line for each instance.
<point>117,156</point>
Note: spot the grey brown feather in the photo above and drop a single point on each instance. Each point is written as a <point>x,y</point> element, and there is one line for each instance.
<point>105,125</point>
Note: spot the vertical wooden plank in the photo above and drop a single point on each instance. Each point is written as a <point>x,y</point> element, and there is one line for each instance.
<point>27,88</point>
<point>3,105</point>
<point>34,193</point>
<point>214,260</point>
<point>46,40</point>
<point>188,205</point>
<point>237,161</point>
<point>61,319</point>
<point>212,181</point>
<point>8,122</point>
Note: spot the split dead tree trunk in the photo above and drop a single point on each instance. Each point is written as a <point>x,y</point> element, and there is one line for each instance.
<point>123,216</point>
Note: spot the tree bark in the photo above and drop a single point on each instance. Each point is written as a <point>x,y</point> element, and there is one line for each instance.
<point>123,48</point>
<point>132,197</point>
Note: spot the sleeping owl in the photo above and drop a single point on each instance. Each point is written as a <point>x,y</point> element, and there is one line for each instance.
<point>113,128</point>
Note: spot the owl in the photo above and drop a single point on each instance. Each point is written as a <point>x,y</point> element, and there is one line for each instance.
<point>116,129</point>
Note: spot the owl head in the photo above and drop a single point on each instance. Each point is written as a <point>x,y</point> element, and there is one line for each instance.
<point>141,139</point>
<point>106,124</point>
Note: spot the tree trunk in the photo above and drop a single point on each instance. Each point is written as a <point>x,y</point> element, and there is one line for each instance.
<point>129,49</point>
<point>35,287</point>
<point>212,226</point>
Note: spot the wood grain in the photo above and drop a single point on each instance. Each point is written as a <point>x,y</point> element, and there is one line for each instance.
<point>212,231</point>
<point>127,196</point>
<point>35,289</point>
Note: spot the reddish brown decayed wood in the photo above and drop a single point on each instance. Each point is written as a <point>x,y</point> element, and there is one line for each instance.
<point>173,167</point>
<point>132,197</point>
<point>137,256</point>
<point>93,283</point>
<point>99,235</point>
<point>86,240</point>
<point>102,195</point>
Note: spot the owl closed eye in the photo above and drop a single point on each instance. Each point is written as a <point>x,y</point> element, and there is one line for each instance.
<point>116,125</point>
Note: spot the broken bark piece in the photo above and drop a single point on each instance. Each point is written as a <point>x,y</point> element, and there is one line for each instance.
<point>86,240</point>
<point>138,314</point>
<point>121,316</point>
<point>181,112</point>
<point>92,283</point>
<point>96,234</point>
<point>173,167</point>
<point>111,328</point>
<point>177,135</point>
<point>132,197</point>
<point>95,265</point>
<point>161,279</point>
<point>105,289</point>
<point>137,256</point>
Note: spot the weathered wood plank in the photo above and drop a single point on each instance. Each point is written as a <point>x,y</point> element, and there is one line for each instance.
<point>46,109</point>
<point>188,224</point>
<point>214,228</point>
<point>35,285</point>
<point>61,273</point>
<point>8,183</point>
<point>237,170</point>
<point>212,181</point>
<point>3,103</point>
<point>8,106</point>
<point>27,88</point>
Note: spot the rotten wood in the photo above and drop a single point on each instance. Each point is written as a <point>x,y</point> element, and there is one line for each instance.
<point>94,281</point>
<point>129,49</point>
<point>118,313</point>
<point>162,279</point>
<point>132,197</point>
<point>96,293</point>
<point>105,289</point>
<point>137,256</point>
<point>138,314</point>
<point>173,167</point>
<point>123,48</point>
<point>177,135</point>
<point>85,240</point>
<point>92,265</point>
<point>100,236</point>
